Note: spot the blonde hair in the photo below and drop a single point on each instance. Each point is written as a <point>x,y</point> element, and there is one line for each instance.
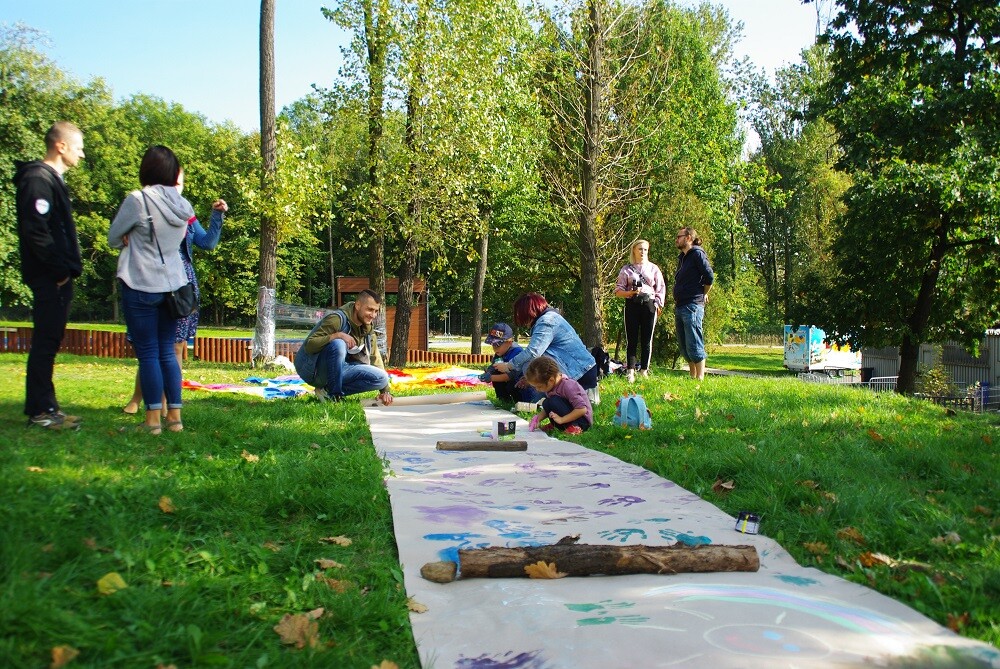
<point>542,370</point>
<point>635,244</point>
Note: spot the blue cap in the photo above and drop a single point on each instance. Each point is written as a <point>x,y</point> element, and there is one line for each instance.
<point>499,333</point>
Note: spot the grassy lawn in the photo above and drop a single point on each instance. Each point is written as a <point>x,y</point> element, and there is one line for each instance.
<point>765,361</point>
<point>882,490</point>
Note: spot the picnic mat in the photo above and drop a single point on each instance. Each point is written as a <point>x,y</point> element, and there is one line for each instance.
<point>784,615</point>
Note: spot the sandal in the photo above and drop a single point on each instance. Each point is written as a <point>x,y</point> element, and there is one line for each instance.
<point>173,425</point>
<point>149,429</point>
<point>134,406</point>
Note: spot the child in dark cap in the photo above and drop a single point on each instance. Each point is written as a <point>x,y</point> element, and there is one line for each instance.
<point>501,338</point>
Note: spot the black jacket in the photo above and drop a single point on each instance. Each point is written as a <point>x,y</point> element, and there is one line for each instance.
<point>45,228</point>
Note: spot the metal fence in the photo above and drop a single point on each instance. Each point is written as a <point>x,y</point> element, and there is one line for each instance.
<point>978,398</point>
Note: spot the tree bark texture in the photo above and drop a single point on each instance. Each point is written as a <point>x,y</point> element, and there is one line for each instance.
<point>263,343</point>
<point>404,304</point>
<point>593,328</point>
<point>477,291</point>
<point>375,17</point>
<point>587,560</point>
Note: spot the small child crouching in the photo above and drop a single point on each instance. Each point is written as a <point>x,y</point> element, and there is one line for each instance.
<point>566,403</point>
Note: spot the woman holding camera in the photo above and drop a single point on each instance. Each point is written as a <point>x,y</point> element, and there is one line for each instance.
<point>641,284</point>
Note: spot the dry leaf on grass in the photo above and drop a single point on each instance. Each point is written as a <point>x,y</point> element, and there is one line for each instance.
<point>271,546</point>
<point>808,483</point>
<point>699,415</point>
<point>386,664</point>
<point>415,606</point>
<point>950,538</point>
<point>987,440</point>
<point>39,469</point>
<point>956,623</point>
<point>111,583</point>
<point>324,563</point>
<point>166,666</point>
<point>167,505</point>
<point>249,457</point>
<point>982,510</point>
<point>851,534</point>
<point>542,569</point>
<point>721,487</point>
<point>298,630</point>
<point>334,584</point>
<point>337,541</point>
<point>869,559</point>
<point>816,547</point>
<point>875,435</point>
<point>62,655</point>
<point>670,397</point>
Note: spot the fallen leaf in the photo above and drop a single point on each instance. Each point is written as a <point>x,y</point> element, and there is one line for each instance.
<point>62,655</point>
<point>48,548</point>
<point>298,630</point>
<point>111,583</point>
<point>956,623</point>
<point>338,541</point>
<point>334,584</point>
<point>842,563</point>
<point>324,563</point>
<point>869,559</point>
<point>91,543</point>
<point>987,439</point>
<point>816,547</point>
<point>386,664</point>
<point>271,546</point>
<point>249,457</point>
<point>809,484</point>
<point>416,606</point>
<point>315,614</point>
<point>699,415</point>
<point>167,505</point>
<point>851,534</point>
<point>670,397</point>
<point>875,435</point>
<point>166,666</point>
<point>950,538</point>
<point>542,569</point>
<point>805,423</point>
<point>721,488</point>
<point>752,448</point>
<point>982,510</point>
<point>827,495</point>
<point>314,446</point>
<point>39,469</point>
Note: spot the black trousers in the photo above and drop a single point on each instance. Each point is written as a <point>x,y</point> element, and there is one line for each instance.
<point>561,407</point>
<point>639,324</point>
<point>50,313</point>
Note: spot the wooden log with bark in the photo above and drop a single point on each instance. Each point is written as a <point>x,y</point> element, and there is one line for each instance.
<point>585,559</point>
<point>483,445</point>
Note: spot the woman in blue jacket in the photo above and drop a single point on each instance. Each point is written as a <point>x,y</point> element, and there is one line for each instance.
<point>552,335</point>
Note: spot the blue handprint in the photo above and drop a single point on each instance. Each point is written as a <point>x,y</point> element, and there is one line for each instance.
<point>622,534</point>
<point>627,500</point>
<point>686,539</point>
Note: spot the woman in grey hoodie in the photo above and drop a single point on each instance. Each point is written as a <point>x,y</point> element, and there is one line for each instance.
<point>149,229</point>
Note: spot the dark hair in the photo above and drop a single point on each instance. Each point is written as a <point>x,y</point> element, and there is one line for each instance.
<point>60,132</point>
<point>528,307</point>
<point>370,294</point>
<point>695,239</point>
<point>542,369</point>
<point>159,166</point>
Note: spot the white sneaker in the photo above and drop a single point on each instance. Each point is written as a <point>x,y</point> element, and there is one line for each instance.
<point>594,395</point>
<point>630,376</point>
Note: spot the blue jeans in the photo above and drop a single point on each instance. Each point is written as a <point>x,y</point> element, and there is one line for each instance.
<point>561,407</point>
<point>688,322</point>
<point>152,330</point>
<point>342,377</point>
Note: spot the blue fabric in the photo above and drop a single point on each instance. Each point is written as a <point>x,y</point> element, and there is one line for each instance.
<point>688,321</point>
<point>694,272</point>
<point>152,330</point>
<point>552,335</point>
<point>341,377</point>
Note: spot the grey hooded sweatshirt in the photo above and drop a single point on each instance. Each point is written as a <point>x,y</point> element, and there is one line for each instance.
<point>139,264</point>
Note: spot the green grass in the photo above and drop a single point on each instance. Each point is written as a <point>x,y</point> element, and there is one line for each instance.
<point>766,361</point>
<point>208,582</point>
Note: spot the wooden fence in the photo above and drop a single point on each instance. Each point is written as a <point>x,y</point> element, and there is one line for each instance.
<point>105,344</point>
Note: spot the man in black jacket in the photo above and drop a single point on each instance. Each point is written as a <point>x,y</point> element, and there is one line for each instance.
<point>50,260</point>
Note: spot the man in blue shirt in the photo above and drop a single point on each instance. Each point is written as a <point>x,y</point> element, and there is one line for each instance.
<point>692,281</point>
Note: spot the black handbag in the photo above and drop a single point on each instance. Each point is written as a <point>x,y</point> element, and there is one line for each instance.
<point>181,302</point>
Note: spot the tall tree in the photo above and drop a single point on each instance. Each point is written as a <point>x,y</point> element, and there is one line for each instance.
<point>915,96</point>
<point>263,338</point>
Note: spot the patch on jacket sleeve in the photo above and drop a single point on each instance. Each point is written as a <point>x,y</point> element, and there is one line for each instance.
<point>42,206</point>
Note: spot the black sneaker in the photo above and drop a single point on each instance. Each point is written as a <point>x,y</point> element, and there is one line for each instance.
<point>53,420</point>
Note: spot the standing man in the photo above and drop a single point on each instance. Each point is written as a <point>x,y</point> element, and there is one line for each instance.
<point>50,260</point>
<point>340,356</point>
<point>692,281</point>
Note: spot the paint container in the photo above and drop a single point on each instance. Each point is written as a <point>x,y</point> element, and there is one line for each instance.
<point>747,522</point>
<point>505,430</point>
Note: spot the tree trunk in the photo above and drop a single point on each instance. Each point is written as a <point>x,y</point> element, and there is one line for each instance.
<point>586,560</point>
<point>593,326</point>
<point>404,303</point>
<point>263,342</point>
<point>909,349</point>
<point>375,39</point>
<point>477,291</point>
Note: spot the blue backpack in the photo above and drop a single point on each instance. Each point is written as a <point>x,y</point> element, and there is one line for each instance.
<point>631,411</point>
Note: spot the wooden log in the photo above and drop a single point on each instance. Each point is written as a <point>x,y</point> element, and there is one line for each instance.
<point>414,400</point>
<point>586,560</point>
<point>483,445</point>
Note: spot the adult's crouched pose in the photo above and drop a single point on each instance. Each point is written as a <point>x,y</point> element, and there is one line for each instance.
<point>340,356</point>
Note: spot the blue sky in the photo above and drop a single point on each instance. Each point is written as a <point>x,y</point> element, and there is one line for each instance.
<point>203,53</point>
